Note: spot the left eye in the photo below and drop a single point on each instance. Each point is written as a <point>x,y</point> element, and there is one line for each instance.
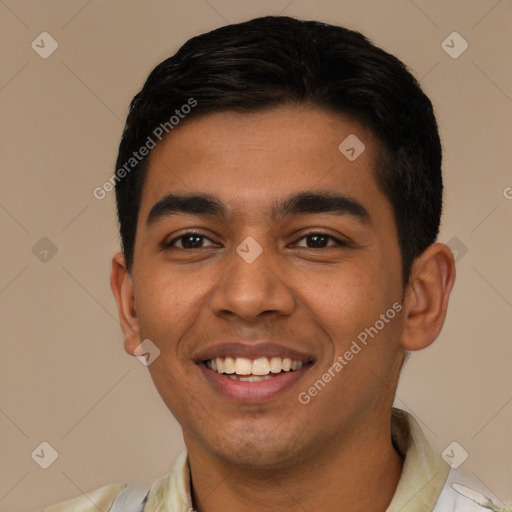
<point>319,240</point>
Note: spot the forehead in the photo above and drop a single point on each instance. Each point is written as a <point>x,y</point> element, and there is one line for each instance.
<point>249,159</point>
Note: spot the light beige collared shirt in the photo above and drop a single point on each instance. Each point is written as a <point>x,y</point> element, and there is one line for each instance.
<point>423,479</point>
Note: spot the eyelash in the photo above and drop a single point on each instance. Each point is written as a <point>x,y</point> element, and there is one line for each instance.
<point>169,245</point>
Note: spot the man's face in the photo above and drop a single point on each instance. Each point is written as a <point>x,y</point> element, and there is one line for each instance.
<point>305,297</point>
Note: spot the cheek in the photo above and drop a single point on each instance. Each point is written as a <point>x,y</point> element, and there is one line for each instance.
<point>345,299</point>
<point>369,345</point>
<point>363,343</point>
<point>164,303</point>
<point>347,305</point>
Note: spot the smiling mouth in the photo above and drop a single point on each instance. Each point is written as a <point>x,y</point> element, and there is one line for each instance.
<point>253,370</point>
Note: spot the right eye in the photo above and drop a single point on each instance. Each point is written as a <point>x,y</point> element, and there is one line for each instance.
<point>189,240</point>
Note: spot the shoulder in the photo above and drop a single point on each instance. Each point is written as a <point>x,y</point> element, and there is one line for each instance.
<point>172,489</point>
<point>99,499</point>
<point>464,493</point>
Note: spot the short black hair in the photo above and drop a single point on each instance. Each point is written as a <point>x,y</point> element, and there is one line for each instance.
<point>276,60</point>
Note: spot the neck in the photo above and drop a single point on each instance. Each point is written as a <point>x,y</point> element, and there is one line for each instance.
<point>358,471</point>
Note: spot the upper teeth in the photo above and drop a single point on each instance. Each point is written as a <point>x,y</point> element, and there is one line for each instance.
<point>259,366</point>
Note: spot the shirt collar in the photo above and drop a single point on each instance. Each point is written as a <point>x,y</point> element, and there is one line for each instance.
<point>424,473</point>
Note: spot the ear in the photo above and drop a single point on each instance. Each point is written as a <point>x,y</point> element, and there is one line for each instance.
<point>427,294</point>
<point>122,288</point>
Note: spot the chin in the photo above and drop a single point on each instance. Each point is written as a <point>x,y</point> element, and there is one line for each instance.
<point>264,449</point>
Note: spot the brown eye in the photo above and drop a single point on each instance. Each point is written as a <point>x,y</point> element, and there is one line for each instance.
<point>318,240</point>
<point>188,241</point>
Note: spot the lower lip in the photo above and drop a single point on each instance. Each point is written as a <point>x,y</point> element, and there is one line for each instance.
<point>253,392</point>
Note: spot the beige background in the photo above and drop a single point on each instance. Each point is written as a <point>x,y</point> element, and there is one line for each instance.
<point>65,377</point>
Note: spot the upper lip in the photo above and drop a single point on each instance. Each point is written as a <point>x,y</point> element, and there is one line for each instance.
<point>251,350</point>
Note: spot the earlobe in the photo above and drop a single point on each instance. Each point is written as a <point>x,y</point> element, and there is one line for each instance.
<point>426,299</point>
<point>122,288</point>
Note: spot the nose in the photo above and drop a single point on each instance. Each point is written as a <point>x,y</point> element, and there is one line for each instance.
<point>252,289</point>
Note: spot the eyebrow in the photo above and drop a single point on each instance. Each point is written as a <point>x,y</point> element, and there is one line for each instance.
<point>296,204</point>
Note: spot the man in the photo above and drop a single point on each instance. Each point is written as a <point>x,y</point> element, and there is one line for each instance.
<point>279,193</point>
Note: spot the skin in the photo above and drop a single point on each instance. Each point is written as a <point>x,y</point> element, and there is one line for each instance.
<point>334,453</point>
